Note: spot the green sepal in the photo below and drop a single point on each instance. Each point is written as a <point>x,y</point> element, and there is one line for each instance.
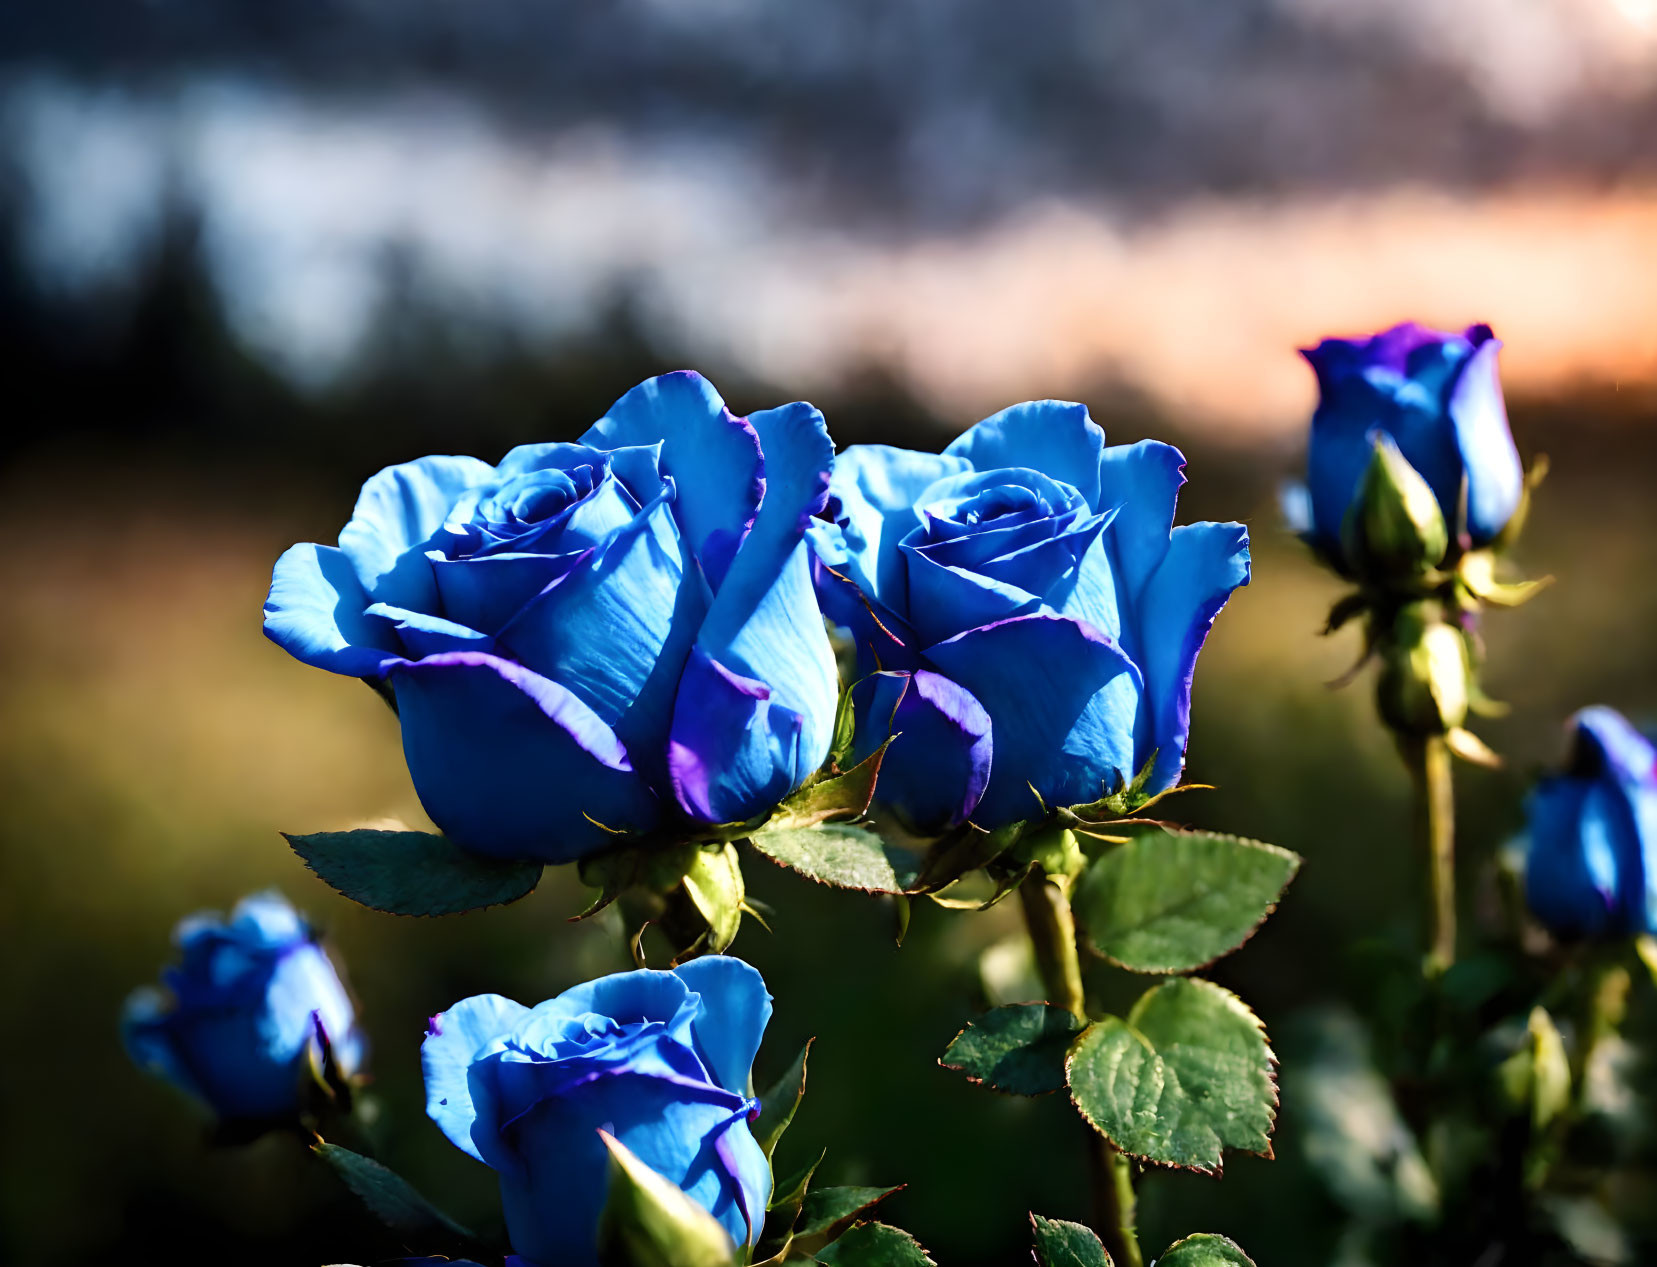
<point>1019,1048</point>
<point>1205,1249</point>
<point>1476,578</point>
<point>1394,529</point>
<point>1002,881</point>
<point>780,1101</point>
<point>1174,901</point>
<point>845,729</point>
<point>875,1245</point>
<point>713,883</point>
<point>1125,802</point>
<point>1537,1077</point>
<point>836,798</point>
<point>394,1201</point>
<point>965,849</point>
<point>653,867</point>
<point>787,1196</point>
<point>1186,1075</point>
<point>648,1222</point>
<point>1062,1244</point>
<point>1054,849</point>
<point>844,855</point>
<point>412,872</point>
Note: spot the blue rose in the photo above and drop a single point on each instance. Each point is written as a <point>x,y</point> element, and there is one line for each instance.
<point>1591,865</point>
<point>1439,398</point>
<point>659,1060</point>
<point>256,1006</point>
<point>1030,583</point>
<point>587,633</point>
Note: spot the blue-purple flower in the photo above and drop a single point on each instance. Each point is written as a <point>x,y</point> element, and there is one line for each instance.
<point>256,1006</point>
<point>661,1061</point>
<point>1591,859</point>
<point>588,638</point>
<point>1438,397</point>
<point>1035,614</point>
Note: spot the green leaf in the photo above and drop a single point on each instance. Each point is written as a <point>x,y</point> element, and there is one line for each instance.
<point>392,1199</point>
<point>713,882</point>
<point>827,1212</point>
<point>1205,1250</point>
<point>648,1222</point>
<point>875,1245</point>
<point>1061,1244</point>
<point>778,1103</point>
<point>845,728</point>
<point>412,872</point>
<point>787,1196</point>
<point>1174,901</point>
<point>1019,1048</point>
<point>840,796</point>
<point>1184,1076</point>
<point>845,856</point>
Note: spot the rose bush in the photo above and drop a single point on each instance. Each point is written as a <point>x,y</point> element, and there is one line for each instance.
<point>1591,865</point>
<point>254,1001</point>
<point>587,638</point>
<point>1438,397</point>
<point>659,1060</point>
<point>1030,583</point>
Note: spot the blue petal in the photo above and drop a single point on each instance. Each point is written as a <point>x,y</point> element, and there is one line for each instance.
<point>1622,757</point>
<point>875,491</point>
<point>553,1197</point>
<point>1574,871</point>
<point>554,455</point>
<point>455,1041</point>
<point>268,920</point>
<point>733,751</point>
<point>315,612</point>
<point>1055,437</point>
<point>485,592</point>
<point>1495,479</point>
<point>423,635</point>
<point>712,456</point>
<point>937,768</point>
<point>397,512</point>
<point>624,997</point>
<point>149,1041</point>
<point>944,601</point>
<point>1063,702</point>
<point>736,1007</point>
<point>764,627</point>
<point>616,630</point>
<point>510,764</point>
<point>1204,564</point>
<point>1144,480</point>
<point>304,993</point>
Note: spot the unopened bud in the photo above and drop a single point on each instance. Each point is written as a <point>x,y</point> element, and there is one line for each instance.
<point>1423,687</point>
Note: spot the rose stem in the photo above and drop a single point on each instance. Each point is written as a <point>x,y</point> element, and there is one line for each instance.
<point>1053,937</point>
<point>1435,807</point>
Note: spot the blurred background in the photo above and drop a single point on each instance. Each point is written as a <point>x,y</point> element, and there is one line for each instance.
<point>249,253</point>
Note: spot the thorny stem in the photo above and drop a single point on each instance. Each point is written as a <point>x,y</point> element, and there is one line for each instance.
<point>1053,937</point>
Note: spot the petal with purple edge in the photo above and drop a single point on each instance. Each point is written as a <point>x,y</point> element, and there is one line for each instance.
<point>316,613</point>
<point>1205,563</point>
<point>1055,437</point>
<point>937,768</point>
<point>616,631</point>
<point>510,764</point>
<point>397,512</point>
<point>712,455</point>
<point>944,601</point>
<point>765,628</point>
<point>734,751</point>
<point>883,640</point>
<point>1064,703</point>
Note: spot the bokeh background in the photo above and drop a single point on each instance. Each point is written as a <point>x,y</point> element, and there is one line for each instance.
<point>249,253</point>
